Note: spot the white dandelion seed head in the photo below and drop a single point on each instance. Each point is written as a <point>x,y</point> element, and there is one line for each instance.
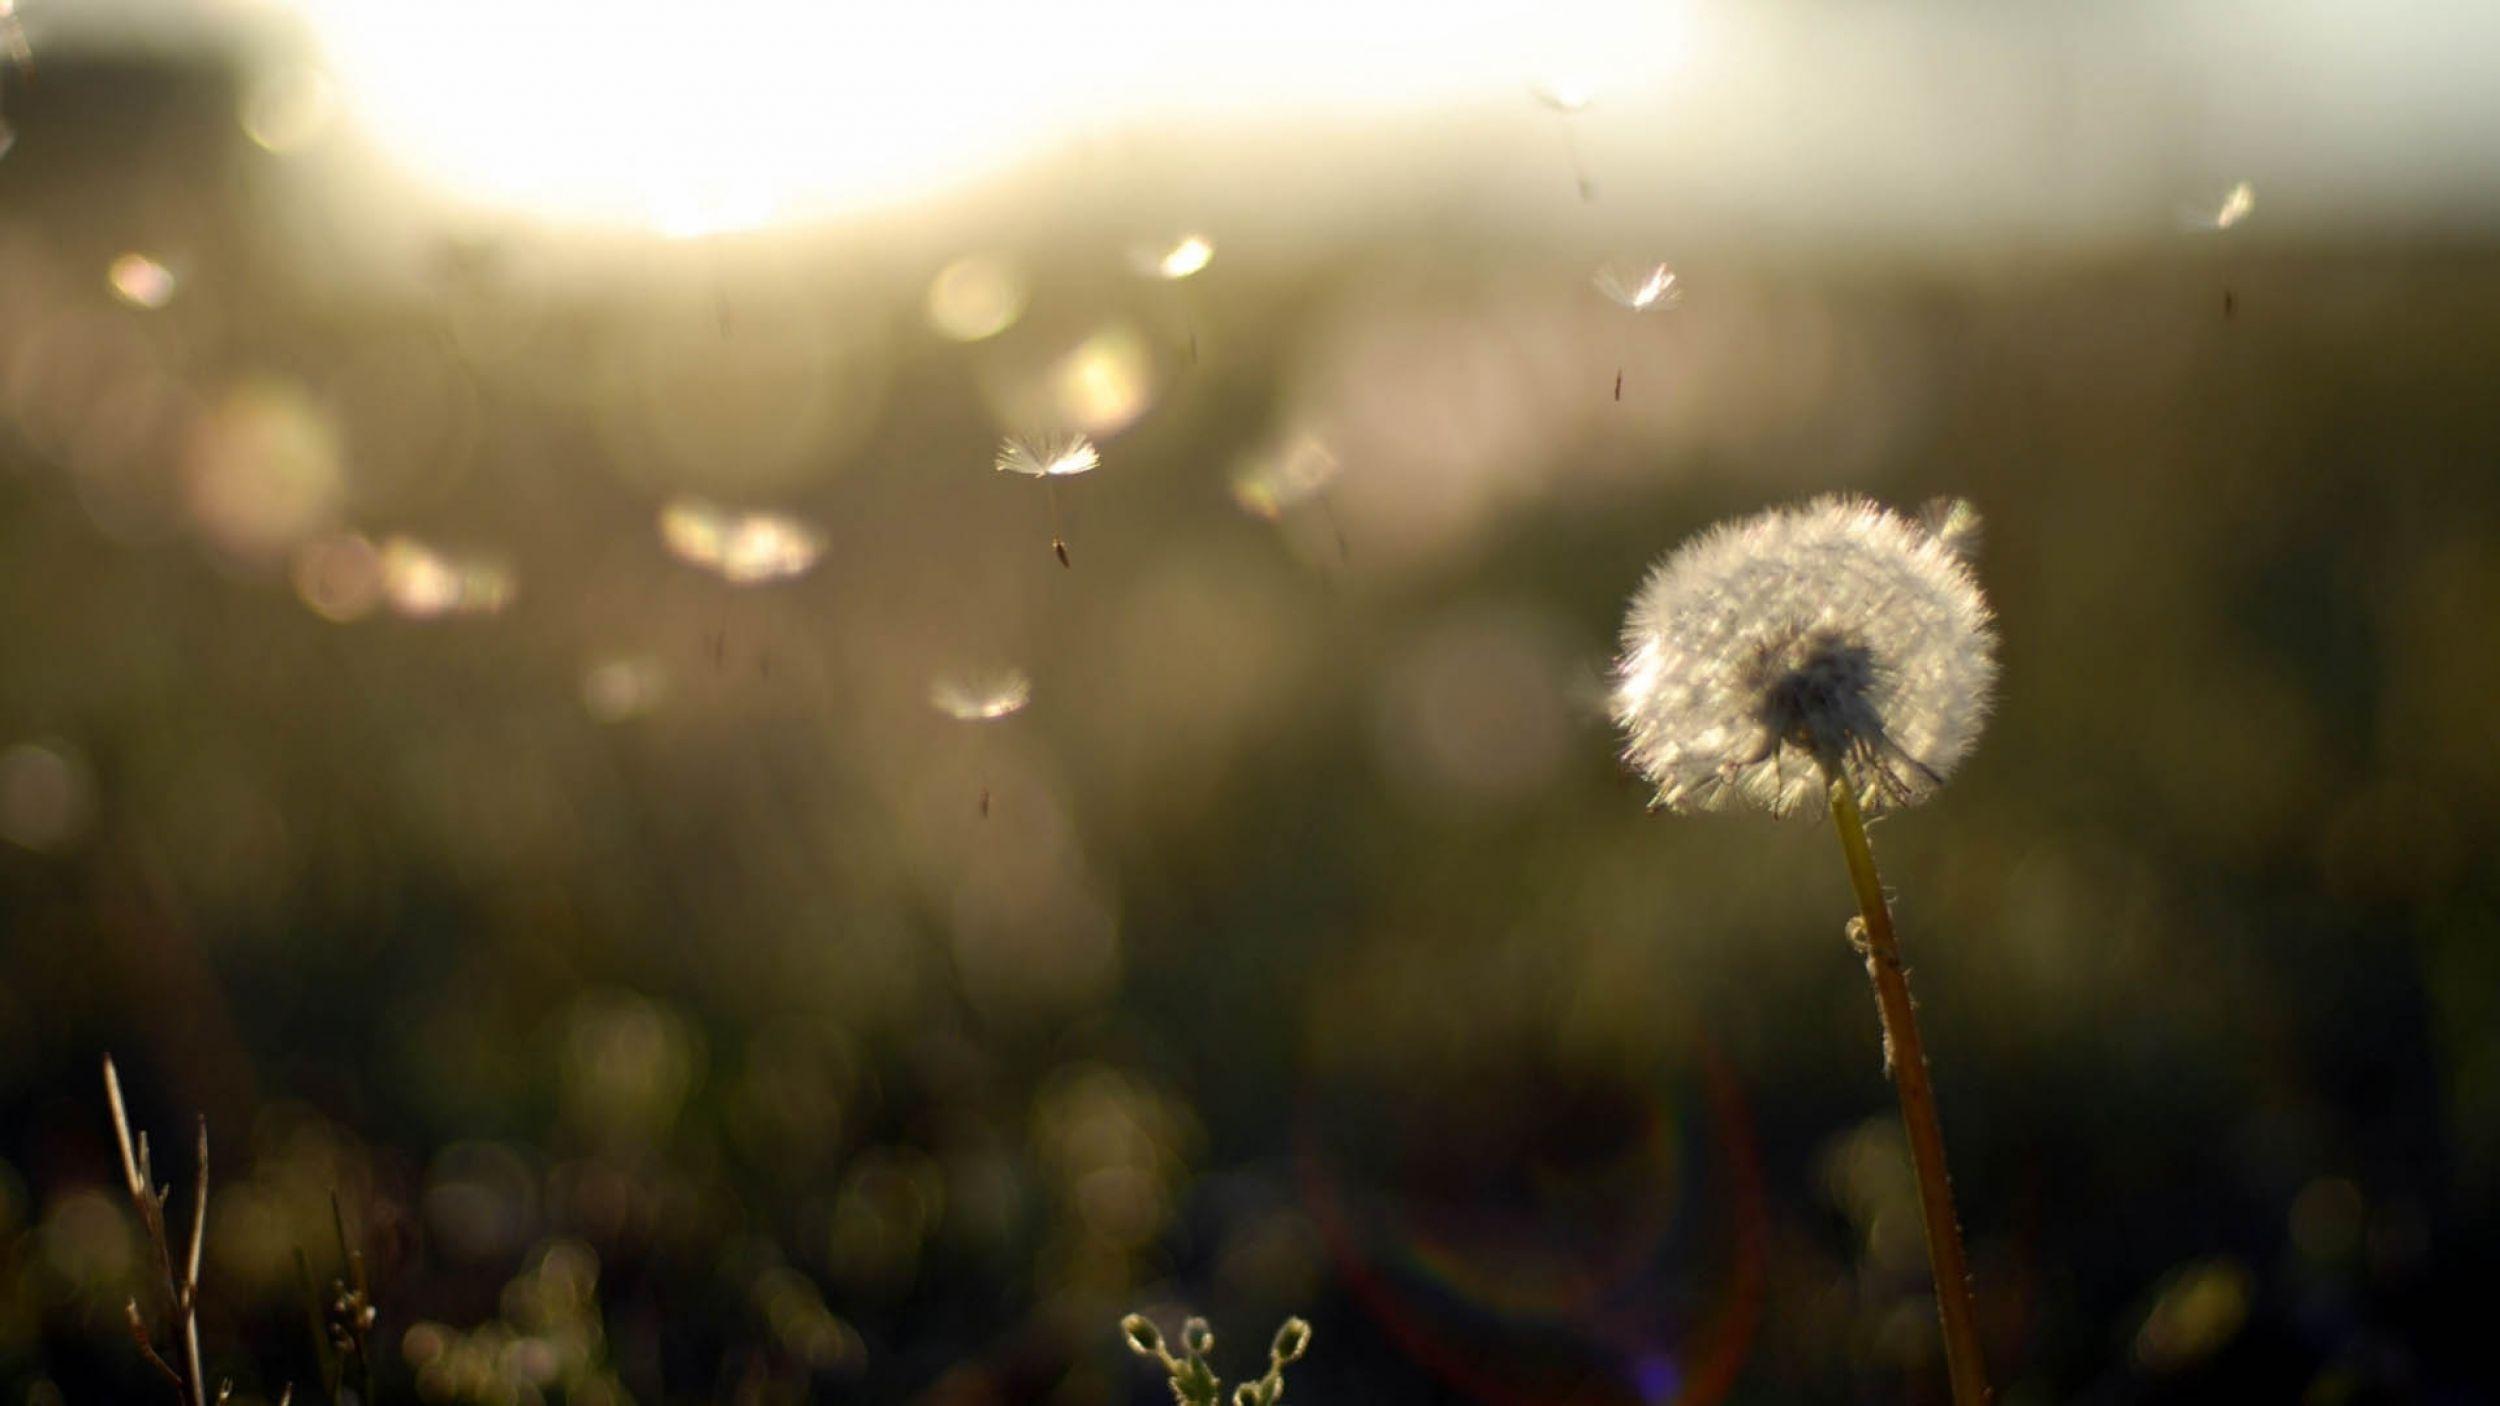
<point>1172,262</point>
<point>980,698</point>
<point>1047,456</point>
<point>2224,212</point>
<point>1832,633</point>
<point>1640,288</point>
<point>1568,96</point>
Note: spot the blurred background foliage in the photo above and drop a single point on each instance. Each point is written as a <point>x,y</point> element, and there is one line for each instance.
<point>468,731</point>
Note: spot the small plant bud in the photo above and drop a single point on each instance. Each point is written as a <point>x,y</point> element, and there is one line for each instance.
<point>1292,1340</point>
<point>1194,1384</point>
<point>1197,1337</point>
<point>1143,1338</point>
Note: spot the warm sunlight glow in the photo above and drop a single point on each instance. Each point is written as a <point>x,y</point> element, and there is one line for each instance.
<point>699,119</point>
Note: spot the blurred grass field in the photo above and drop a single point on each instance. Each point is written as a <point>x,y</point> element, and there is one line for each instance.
<point>685,1010</point>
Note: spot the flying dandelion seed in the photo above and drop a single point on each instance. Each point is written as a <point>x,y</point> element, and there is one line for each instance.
<point>744,548</point>
<point>141,281</point>
<point>1188,255</point>
<point>1568,96</point>
<point>2236,206</point>
<point>1642,288</point>
<point>1173,263</point>
<point>1567,99</point>
<point>981,698</point>
<point>1834,635</point>
<point>1636,288</point>
<point>1049,458</point>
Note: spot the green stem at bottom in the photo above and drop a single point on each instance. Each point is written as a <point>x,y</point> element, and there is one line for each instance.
<point>1905,1055</point>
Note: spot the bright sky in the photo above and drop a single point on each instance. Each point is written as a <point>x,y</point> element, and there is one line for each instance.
<point>1863,118</point>
<point>710,114</point>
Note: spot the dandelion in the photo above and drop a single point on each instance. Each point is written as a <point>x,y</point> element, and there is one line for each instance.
<point>1567,98</point>
<point>1049,458</point>
<point>1187,255</point>
<point>1176,262</point>
<point>982,699</point>
<point>1834,652</point>
<point>1641,288</point>
<point>2236,205</point>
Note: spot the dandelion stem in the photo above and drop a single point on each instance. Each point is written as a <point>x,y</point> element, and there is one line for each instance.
<point>1906,1056</point>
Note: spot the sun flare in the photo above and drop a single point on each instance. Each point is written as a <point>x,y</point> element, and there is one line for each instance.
<point>696,119</point>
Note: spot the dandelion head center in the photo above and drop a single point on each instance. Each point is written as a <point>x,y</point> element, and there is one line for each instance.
<point>1816,691</point>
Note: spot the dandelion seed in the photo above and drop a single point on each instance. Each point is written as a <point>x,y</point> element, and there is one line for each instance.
<point>1566,99</point>
<point>983,698</point>
<point>1188,255</point>
<point>744,548</point>
<point>1640,288</point>
<point>1049,458</point>
<point>1568,96</point>
<point>1060,456</point>
<point>2236,205</point>
<point>1835,635</point>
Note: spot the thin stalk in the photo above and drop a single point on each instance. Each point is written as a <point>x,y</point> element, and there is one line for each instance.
<point>1905,1056</point>
<point>191,1276</point>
